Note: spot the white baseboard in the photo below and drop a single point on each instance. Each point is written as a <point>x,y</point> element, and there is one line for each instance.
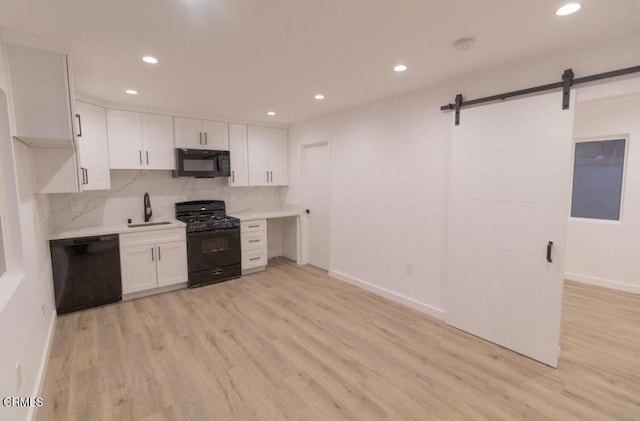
<point>394,296</point>
<point>31,415</point>
<point>620,286</point>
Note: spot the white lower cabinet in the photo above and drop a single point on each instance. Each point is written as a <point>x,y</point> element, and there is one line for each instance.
<point>153,259</point>
<point>138,269</point>
<point>253,240</point>
<point>172,263</point>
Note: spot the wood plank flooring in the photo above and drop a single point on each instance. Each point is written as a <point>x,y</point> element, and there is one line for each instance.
<point>293,344</point>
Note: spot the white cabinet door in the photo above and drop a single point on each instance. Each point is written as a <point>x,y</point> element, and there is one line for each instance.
<point>257,142</point>
<point>216,135</point>
<point>41,94</point>
<point>238,155</point>
<point>138,268</point>
<point>277,154</point>
<point>94,149</point>
<point>43,110</point>
<point>124,129</point>
<point>188,133</point>
<point>267,151</point>
<point>157,139</point>
<point>172,263</point>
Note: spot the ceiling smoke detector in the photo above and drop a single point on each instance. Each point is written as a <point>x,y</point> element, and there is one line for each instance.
<point>464,44</point>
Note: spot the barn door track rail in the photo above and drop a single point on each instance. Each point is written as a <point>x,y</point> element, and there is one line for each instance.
<point>568,80</point>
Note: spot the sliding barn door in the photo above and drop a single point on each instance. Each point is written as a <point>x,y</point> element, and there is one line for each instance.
<point>509,198</point>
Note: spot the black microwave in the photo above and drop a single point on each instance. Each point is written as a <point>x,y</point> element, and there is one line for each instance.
<point>202,163</point>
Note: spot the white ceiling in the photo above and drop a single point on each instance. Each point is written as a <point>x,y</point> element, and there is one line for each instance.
<point>237,59</point>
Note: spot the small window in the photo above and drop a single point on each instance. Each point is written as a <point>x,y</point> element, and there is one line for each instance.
<point>597,179</point>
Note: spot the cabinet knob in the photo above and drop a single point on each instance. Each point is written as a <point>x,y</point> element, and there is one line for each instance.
<point>307,211</point>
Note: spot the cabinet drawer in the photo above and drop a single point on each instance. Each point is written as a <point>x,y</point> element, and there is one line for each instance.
<point>254,240</point>
<point>152,237</point>
<point>250,226</point>
<point>254,259</point>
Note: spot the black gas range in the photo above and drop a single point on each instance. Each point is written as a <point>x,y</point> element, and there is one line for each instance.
<point>213,241</point>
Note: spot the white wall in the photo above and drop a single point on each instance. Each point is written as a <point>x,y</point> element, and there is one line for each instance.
<point>26,299</point>
<point>388,168</point>
<point>27,320</point>
<point>604,252</point>
<point>390,172</point>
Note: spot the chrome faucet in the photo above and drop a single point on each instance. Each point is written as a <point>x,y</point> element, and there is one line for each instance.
<point>147,208</point>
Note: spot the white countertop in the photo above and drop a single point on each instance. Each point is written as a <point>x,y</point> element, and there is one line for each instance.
<point>120,229</point>
<point>253,216</point>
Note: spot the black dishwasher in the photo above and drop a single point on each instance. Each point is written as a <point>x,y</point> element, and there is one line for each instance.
<point>86,272</point>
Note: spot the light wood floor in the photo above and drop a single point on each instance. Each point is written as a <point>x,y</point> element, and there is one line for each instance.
<point>293,344</point>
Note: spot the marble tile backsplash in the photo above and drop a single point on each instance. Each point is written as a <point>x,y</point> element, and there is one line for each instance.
<point>124,200</point>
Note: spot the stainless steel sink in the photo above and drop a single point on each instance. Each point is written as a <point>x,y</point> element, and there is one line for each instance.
<point>148,224</point>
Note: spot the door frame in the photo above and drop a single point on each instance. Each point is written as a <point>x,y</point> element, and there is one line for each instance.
<point>304,225</point>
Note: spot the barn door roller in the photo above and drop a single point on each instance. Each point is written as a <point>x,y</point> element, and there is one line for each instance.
<point>568,80</point>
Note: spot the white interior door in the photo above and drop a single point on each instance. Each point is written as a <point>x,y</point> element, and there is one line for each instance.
<point>510,186</point>
<point>316,178</point>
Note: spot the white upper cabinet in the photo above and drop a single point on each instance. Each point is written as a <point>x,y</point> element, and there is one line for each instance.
<point>216,135</point>
<point>277,156</point>
<point>93,147</point>
<point>42,96</point>
<point>257,150</point>
<point>43,109</point>
<point>124,130</point>
<point>188,133</point>
<point>191,133</point>
<point>157,139</point>
<point>267,156</point>
<point>140,141</point>
<point>238,155</point>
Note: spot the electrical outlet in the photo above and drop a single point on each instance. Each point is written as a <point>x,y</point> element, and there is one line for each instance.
<point>409,268</point>
<point>18,377</point>
<point>44,314</point>
<point>161,203</point>
<point>76,207</point>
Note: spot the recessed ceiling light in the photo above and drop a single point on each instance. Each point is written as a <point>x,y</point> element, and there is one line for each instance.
<point>568,9</point>
<point>150,60</point>
<point>319,97</point>
<point>463,44</point>
<point>131,92</point>
<point>271,113</point>
<point>400,68</point>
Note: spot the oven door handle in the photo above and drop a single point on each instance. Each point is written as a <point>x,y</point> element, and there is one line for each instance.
<point>219,230</point>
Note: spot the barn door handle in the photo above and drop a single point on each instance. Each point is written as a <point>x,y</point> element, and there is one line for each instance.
<point>549,246</point>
